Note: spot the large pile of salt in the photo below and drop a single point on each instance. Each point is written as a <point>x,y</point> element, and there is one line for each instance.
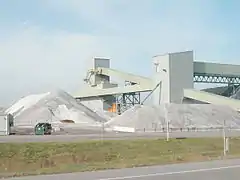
<point>52,107</point>
<point>179,116</point>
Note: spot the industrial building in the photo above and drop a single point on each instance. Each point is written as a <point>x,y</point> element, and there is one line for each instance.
<point>170,86</point>
<point>174,75</point>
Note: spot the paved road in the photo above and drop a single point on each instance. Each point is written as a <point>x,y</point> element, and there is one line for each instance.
<point>215,170</point>
<point>112,136</point>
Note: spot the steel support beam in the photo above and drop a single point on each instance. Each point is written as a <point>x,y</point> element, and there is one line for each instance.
<point>232,82</point>
<point>215,79</point>
<point>127,100</point>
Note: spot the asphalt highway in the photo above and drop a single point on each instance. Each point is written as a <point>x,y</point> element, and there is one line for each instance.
<point>214,170</point>
<point>109,136</point>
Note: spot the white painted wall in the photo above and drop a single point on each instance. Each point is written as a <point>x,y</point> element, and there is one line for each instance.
<point>175,71</point>
<point>180,75</point>
<point>161,74</point>
<point>100,62</point>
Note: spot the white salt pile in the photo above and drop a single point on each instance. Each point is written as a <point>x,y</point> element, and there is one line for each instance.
<point>25,103</point>
<point>96,106</point>
<point>52,107</point>
<point>179,116</point>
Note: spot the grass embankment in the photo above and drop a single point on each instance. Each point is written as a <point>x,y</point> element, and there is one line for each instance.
<point>44,158</point>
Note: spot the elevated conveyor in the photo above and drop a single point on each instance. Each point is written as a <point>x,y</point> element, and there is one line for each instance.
<point>140,84</point>
<point>124,75</point>
<point>211,98</point>
<point>226,70</point>
<point>96,92</point>
<point>216,73</point>
<point>114,98</point>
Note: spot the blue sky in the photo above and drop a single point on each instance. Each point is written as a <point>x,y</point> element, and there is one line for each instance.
<point>49,43</point>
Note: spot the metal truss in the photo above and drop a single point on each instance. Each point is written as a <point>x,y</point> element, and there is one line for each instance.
<point>127,100</point>
<point>215,79</point>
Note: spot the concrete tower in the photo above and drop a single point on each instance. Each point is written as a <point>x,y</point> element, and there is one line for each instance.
<point>175,72</point>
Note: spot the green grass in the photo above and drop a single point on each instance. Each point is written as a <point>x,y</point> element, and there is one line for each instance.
<point>46,158</point>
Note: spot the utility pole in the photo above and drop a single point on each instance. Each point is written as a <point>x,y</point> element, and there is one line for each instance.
<point>225,140</point>
<point>167,120</point>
